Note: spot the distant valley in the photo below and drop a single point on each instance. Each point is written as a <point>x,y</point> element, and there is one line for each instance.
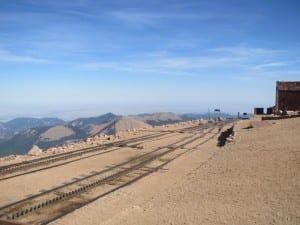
<point>18,136</point>
<point>12,127</point>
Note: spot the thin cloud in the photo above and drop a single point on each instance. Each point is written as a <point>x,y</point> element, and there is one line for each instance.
<point>150,18</point>
<point>167,65</point>
<point>59,4</point>
<point>243,59</point>
<point>269,65</point>
<point>8,57</point>
<point>199,62</point>
<point>246,51</point>
<point>136,67</point>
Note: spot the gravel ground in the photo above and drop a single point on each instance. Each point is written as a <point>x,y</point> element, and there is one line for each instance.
<point>255,179</point>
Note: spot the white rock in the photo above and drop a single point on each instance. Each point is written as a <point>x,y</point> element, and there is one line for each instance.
<point>34,151</point>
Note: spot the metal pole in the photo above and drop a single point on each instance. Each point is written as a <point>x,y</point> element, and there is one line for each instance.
<point>115,131</point>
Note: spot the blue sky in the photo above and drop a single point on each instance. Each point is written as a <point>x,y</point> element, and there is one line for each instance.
<point>86,57</point>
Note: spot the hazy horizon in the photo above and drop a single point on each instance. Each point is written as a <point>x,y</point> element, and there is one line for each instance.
<point>75,113</point>
<point>83,58</point>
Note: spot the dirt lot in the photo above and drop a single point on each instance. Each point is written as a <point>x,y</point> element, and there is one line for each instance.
<point>255,179</point>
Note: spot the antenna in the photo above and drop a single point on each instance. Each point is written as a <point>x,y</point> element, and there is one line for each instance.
<point>115,131</point>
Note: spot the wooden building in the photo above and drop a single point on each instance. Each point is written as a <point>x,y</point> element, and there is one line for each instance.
<point>287,96</point>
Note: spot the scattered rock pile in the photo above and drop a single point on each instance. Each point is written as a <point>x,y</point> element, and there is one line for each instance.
<point>99,139</point>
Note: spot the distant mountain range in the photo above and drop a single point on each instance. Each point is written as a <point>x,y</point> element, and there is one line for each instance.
<point>19,135</point>
<point>48,133</point>
<point>12,127</point>
<point>161,118</point>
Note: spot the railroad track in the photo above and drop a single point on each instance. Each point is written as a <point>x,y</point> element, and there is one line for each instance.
<point>66,155</point>
<point>49,161</point>
<point>52,204</point>
<point>128,161</point>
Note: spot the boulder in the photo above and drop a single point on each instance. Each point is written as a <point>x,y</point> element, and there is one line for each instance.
<point>35,151</point>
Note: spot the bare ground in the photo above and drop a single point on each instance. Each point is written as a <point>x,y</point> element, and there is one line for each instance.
<point>253,180</point>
